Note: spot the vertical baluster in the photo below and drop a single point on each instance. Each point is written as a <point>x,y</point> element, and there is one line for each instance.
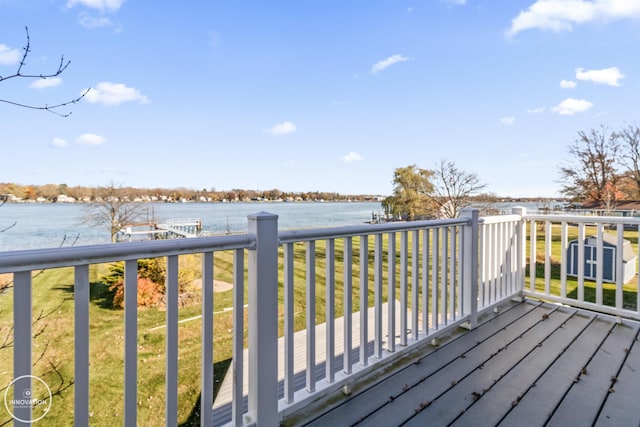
<point>599,264</point>
<point>581,260</point>
<point>444,275</point>
<point>563,259</point>
<point>348,309</point>
<point>415,284</point>
<point>435,286</point>
<point>532,256</point>
<point>499,258</point>
<point>404,266</point>
<point>547,257</point>
<point>619,265</point>
<point>509,241</point>
<point>237,362</point>
<point>425,281</point>
<point>171,407</point>
<point>330,310</point>
<point>311,316</point>
<point>493,271</point>
<point>130,342</point>
<point>378,296</point>
<point>638,282</point>
<point>81,345</point>
<point>391,292</point>
<point>485,294</point>
<point>22,344</point>
<point>453,273</point>
<point>206,370</point>
<point>364,299</point>
<point>288,324</point>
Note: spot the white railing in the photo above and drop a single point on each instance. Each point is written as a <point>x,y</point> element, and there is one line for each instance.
<point>558,265</point>
<point>400,283</point>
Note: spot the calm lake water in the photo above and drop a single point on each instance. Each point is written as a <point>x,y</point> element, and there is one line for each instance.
<point>59,224</point>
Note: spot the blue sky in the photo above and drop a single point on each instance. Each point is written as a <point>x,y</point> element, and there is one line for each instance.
<point>328,95</point>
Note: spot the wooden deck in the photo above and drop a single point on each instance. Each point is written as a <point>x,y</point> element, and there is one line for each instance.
<point>530,364</point>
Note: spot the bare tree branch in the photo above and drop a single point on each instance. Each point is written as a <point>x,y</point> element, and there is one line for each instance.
<point>19,73</point>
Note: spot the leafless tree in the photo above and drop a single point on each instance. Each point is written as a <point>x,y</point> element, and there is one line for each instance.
<point>591,173</point>
<point>21,73</point>
<point>630,159</point>
<point>453,188</point>
<point>111,210</point>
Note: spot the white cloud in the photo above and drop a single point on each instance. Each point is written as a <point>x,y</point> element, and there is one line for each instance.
<point>381,65</point>
<point>567,84</point>
<point>351,157</point>
<point>508,120</point>
<point>571,106</point>
<point>538,110</point>
<point>90,139</point>
<point>9,56</point>
<point>91,22</point>
<point>46,83</point>
<point>458,2</point>
<point>282,129</point>
<point>59,142</point>
<point>606,76</point>
<point>562,15</point>
<point>101,5</point>
<point>108,93</point>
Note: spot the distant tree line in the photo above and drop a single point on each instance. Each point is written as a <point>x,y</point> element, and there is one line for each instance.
<point>50,193</point>
<point>603,166</point>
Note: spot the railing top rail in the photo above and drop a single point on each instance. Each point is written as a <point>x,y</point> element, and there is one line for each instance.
<point>35,259</point>
<point>499,218</point>
<point>583,218</point>
<point>292,236</point>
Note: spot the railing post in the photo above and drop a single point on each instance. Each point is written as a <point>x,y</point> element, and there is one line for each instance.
<point>521,250</point>
<point>263,320</point>
<point>470,266</point>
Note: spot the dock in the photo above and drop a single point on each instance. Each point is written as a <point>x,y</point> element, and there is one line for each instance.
<point>169,229</point>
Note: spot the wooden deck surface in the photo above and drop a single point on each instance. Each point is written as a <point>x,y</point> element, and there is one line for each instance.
<point>531,364</point>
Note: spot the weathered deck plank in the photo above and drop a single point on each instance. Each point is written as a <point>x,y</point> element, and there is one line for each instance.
<point>352,410</point>
<point>507,392</point>
<point>528,366</point>
<point>582,403</point>
<point>624,396</point>
<point>536,405</point>
<point>488,372</point>
<point>429,386</point>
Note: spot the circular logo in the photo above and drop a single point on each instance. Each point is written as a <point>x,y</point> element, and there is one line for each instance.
<point>23,397</point>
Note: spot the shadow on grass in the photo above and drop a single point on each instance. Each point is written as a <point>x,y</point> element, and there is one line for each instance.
<point>219,372</point>
<point>99,294</point>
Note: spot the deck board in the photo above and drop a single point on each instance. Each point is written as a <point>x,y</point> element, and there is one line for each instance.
<point>594,385</point>
<point>625,392</point>
<point>352,410</point>
<point>537,404</point>
<point>469,391</point>
<point>496,402</point>
<point>530,365</point>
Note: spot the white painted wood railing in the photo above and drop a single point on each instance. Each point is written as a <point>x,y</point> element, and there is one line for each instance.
<point>401,283</point>
<point>553,283</point>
